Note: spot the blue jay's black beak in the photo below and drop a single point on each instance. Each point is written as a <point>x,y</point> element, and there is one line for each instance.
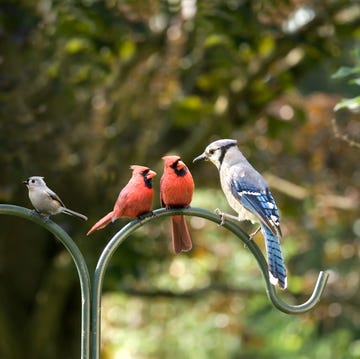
<point>201,157</point>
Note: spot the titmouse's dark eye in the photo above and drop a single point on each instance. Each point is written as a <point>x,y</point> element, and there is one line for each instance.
<point>33,181</point>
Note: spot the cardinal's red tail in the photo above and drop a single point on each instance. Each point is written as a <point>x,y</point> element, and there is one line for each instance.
<point>181,239</point>
<point>103,222</point>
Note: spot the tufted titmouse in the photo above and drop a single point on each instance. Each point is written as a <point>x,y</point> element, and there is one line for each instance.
<point>45,201</point>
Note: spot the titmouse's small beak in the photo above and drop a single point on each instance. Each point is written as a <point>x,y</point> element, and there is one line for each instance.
<point>201,157</point>
<point>26,182</point>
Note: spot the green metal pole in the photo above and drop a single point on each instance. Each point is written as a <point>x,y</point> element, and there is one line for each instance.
<point>78,259</point>
<point>232,226</point>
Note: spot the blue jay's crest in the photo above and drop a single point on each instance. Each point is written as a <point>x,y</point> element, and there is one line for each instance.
<point>216,151</point>
<point>248,194</point>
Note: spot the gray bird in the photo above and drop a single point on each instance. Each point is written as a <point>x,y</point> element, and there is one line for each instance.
<point>45,201</point>
<point>248,194</point>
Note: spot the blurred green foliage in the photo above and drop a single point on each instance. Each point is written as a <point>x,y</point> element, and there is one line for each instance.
<point>88,88</point>
<point>352,104</point>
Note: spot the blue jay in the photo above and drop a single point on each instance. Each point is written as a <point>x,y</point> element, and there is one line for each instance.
<point>248,194</point>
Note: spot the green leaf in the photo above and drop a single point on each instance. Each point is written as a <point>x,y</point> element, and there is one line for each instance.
<point>189,109</point>
<point>215,40</point>
<point>345,71</point>
<point>355,81</point>
<point>127,50</point>
<point>76,45</point>
<point>352,104</point>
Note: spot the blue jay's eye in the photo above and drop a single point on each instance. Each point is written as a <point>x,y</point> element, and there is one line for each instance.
<point>211,152</point>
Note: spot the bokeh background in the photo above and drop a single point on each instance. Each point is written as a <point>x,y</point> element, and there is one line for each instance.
<point>88,88</point>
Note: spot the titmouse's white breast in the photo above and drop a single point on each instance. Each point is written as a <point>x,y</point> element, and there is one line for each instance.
<point>43,202</point>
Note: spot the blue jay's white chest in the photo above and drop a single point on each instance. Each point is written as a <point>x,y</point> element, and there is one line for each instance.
<point>243,214</point>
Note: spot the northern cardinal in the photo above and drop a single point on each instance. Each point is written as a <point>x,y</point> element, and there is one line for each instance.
<point>176,190</point>
<point>134,200</point>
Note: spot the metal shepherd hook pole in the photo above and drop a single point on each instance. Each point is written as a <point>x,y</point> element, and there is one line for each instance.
<point>232,226</point>
<point>78,259</point>
<point>91,305</point>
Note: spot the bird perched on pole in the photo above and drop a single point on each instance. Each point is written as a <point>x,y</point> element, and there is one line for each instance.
<point>45,201</point>
<point>134,200</point>
<point>248,194</point>
<point>176,190</point>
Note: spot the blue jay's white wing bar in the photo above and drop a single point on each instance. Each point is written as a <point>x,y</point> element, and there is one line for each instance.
<point>262,205</point>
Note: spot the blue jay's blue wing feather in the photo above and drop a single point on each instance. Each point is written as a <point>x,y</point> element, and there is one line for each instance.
<point>259,202</point>
<point>277,270</point>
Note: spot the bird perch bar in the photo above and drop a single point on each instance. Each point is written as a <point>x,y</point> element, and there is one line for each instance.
<point>91,301</point>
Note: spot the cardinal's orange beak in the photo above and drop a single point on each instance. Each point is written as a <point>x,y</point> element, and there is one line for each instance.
<point>180,165</point>
<point>151,174</point>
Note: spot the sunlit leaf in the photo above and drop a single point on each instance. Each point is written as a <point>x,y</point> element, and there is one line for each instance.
<point>355,81</point>
<point>352,104</point>
<point>345,71</point>
<point>127,50</point>
<point>76,45</point>
<point>214,40</point>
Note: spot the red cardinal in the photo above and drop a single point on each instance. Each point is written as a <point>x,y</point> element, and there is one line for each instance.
<point>134,200</point>
<point>176,190</point>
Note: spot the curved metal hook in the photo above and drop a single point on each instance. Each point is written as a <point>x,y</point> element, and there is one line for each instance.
<point>232,226</point>
<point>93,343</point>
<point>78,259</point>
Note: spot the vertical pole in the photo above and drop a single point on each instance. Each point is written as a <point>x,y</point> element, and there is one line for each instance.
<point>99,274</point>
<point>84,287</point>
<point>78,259</point>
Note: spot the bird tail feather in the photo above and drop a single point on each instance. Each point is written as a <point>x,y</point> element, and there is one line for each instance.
<point>181,239</point>
<point>103,222</point>
<point>277,270</point>
<point>73,213</point>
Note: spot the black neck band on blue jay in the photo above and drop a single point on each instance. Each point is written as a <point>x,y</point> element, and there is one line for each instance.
<point>224,150</point>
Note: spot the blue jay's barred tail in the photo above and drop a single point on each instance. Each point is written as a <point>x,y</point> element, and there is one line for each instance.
<point>277,270</point>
